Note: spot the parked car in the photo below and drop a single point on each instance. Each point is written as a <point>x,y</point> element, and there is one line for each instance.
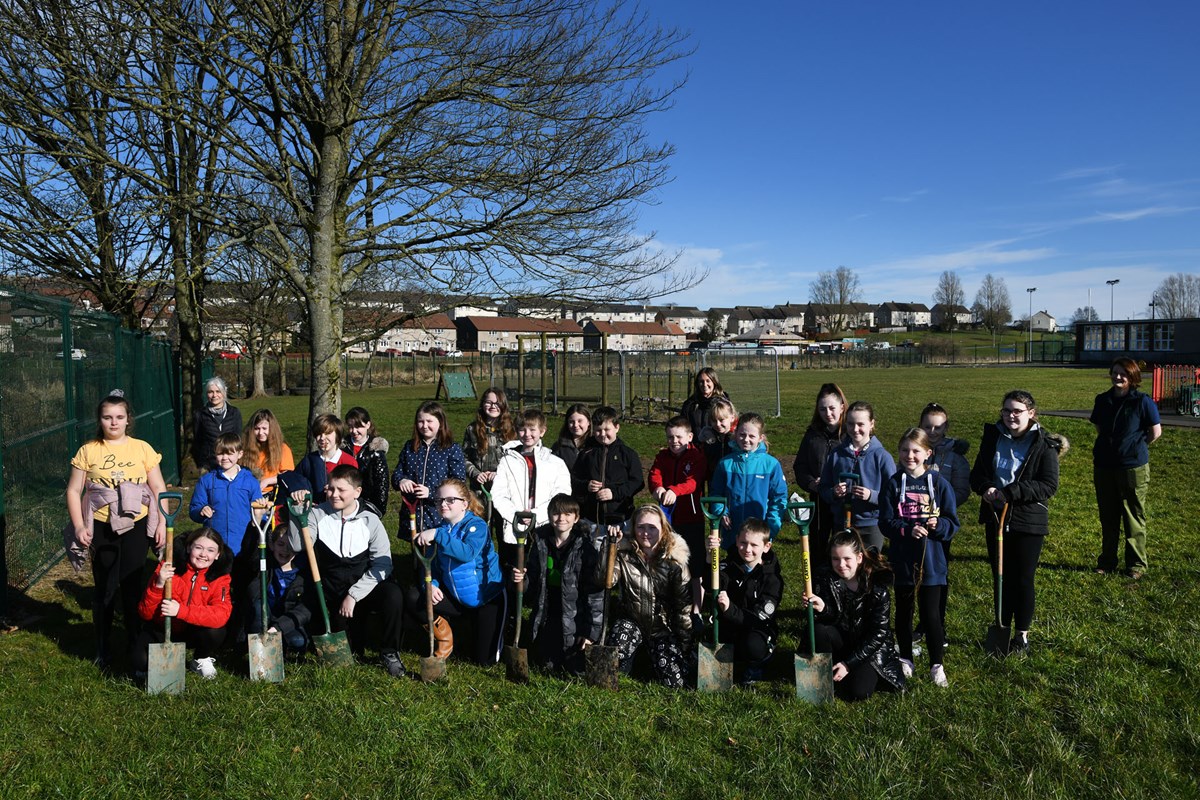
<point>77,354</point>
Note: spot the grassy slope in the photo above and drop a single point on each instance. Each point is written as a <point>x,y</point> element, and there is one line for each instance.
<point>1104,706</point>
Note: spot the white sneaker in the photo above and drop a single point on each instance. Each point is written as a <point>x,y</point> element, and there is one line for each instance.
<point>906,667</point>
<point>938,673</point>
<point>206,667</point>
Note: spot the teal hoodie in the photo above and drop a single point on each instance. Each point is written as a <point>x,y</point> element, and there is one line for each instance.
<point>754,485</point>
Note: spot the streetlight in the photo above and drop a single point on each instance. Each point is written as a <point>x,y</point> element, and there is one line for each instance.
<point>1029,347</point>
<point>1153,303</point>
<point>1112,293</point>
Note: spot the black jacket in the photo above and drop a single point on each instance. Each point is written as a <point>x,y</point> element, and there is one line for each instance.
<point>1028,496</point>
<point>206,427</point>
<point>864,619</point>
<point>582,598</point>
<point>292,612</point>
<point>619,468</point>
<point>373,464</point>
<point>754,596</point>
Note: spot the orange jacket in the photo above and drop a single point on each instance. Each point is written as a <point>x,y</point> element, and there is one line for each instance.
<point>203,597</point>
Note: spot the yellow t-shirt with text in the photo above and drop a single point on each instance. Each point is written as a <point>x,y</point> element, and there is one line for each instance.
<point>110,464</point>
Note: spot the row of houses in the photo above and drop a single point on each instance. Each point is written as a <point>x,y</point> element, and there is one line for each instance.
<point>494,334</point>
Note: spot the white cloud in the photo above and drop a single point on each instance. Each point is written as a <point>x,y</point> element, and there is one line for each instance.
<point>983,255</point>
<point>1141,213</point>
<point>906,198</point>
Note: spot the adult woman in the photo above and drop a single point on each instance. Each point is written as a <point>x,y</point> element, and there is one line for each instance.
<point>1017,469</point>
<point>264,452</point>
<point>466,572</point>
<point>209,422</point>
<point>706,388</point>
<point>823,435</point>
<point>1126,423</point>
<point>112,500</point>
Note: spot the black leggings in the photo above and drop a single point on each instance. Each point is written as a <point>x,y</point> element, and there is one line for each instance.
<point>751,644</point>
<point>386,601</point>
<point>862,679</point>
<point>1021,554</point>
<point>118,561</point>
<point>205,641</point>
<point>929,599</point>
<point>488,621</point>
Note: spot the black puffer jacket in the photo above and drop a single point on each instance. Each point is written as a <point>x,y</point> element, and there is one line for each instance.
<point>1028,496</point>
<point>372,460</point>
<point>655,597</point>
<point>863,618</point>
<point>753,596</point>
<point>582,600</point>
<point>207,425</point>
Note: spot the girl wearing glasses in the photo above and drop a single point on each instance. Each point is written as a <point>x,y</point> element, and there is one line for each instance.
<point>466,587</point>
<point>1017,468</point>
<point>485,437</point>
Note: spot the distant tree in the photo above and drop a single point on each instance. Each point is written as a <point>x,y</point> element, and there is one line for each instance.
<point>712,326</point>
<point>1085,314</point>
<point>1178,297</point>
<point>992,308</point>
<point>838,288</point>
<point>949,294</point>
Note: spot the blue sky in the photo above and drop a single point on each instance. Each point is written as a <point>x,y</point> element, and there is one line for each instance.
<point>1055,145</point>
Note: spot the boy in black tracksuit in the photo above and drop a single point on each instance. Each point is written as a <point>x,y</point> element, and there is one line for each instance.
<point>608,475</point>
<point>288,608</point>
<point>751,588</point>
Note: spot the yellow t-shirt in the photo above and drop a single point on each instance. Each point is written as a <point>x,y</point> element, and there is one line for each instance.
<point>109,464</point>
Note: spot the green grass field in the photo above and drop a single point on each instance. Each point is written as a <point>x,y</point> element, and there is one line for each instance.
<point>1104,706</point>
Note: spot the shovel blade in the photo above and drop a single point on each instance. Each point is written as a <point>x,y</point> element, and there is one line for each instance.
<point>997,641</point>
<point>516,664</point>
<point>603,666</point>
<point>266,657</point>
<point>714,668</point>
<point>333,649</point>
<point>814,678</point>
<point>432,669</point>
<point>165,670</point>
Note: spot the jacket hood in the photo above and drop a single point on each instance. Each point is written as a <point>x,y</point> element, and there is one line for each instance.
<point>1054,440</point>
<point>378,444</point>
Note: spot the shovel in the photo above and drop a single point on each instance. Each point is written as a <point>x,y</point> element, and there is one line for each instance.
<point>603,660</point>
<point>266,649</point>
<point>516,658</point>
<point>714,663</point>
<point>997,634</point>
<point>333,648</point>
<point>164,670</point>
<point>850,478</point>
<point>814,675</point>
<point>432,667</point>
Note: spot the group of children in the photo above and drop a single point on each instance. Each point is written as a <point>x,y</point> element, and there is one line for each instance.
<point>581,494</point>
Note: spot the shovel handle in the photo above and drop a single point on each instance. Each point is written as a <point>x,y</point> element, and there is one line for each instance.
<point>612,563</point>
<point>169,504</point>
<point>311,553</point>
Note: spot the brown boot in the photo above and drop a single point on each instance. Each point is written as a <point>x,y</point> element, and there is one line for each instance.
<point>443,638</point>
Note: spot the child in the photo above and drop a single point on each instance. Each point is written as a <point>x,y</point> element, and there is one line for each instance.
<point>751,479</point>
<point>751,588</point>
<point>317,467</point>
<point>467,586</point>
<point>200,602</point>
<point>823,434</point>
<point>573,438</point>
<point>528,476</point>
<point>429,458</point>
<point>715,438</point>
<point>949,461</point>
<point>370,451</point>
<point>918,514</point>
<point>263,450</point>
<point>862,454</point>
<point>492,428</point>
<point>287,612</point>
<point>355,560</point>
<point>677,481</point>
<point>566,609</point>
<point>653,604</point>
<point>706,389</point>
<point>608,475</point>
<point>223,496</point>
<point>852,609</point>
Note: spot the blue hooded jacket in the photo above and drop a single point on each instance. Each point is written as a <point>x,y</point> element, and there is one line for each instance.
<point>754,485</point>
<point>466,566</point>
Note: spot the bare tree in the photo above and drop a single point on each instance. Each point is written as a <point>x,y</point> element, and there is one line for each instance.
<point>949,294</point>
<point>836,288</point>
<point>472,148</point>
<point>1085,314</point>
<point>1178,297</point>
<point>992,306</point>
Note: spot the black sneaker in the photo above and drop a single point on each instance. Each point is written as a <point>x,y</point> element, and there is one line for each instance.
<point>1019,644</point>
<point>392,663</point>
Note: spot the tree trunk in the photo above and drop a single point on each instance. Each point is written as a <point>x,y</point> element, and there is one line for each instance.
<point>260,384</point>
<point>283,387</point>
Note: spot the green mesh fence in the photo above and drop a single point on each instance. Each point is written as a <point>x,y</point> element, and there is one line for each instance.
<point>56,363</point>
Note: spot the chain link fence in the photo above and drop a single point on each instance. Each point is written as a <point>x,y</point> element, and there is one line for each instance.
<point>56,364</point>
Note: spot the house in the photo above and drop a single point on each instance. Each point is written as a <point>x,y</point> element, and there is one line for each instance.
<point>497,334</point>
<point>941,314</point>
<point>829,317</point>
<point>633,335</point>
<point>472,307</point>
<point>421,335</point>
<point>616,312</point>
<point>690,318</point>
<point>1042,321</point>
<point>747,318</point>
<point>902,315</point>
<point>792,316</point>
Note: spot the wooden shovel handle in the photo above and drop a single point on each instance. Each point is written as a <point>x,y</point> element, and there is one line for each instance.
<point>612,563</point>
<point>312,554</point>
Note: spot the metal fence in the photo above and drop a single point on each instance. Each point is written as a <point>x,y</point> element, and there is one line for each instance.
<point>359,371</point>
<point>56,364</point>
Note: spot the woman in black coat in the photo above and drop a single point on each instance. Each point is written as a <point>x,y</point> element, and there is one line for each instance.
<point>208,423</point>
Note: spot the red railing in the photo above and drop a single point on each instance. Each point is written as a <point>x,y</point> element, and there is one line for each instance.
<point>1169,378</point>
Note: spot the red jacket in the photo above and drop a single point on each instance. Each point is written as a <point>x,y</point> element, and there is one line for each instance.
<point>203,602</point>
<point>684,475</point>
